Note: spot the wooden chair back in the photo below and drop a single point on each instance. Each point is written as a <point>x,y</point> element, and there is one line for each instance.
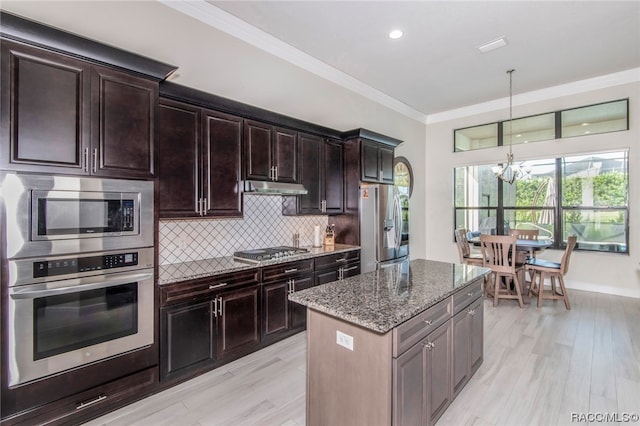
<point>566,256</point>
<point>525,234</point>
<point>463,244</point>
<point>498,252</point>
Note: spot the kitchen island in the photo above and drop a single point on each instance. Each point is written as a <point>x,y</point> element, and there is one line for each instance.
<point>393,346</point>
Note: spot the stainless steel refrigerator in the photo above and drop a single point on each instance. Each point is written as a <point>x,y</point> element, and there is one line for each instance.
<point>384,226</point>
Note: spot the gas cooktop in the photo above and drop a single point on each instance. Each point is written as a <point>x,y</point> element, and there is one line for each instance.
<point>269,253</point>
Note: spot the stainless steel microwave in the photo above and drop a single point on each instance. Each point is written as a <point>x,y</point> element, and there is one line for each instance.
<point>53,215</point>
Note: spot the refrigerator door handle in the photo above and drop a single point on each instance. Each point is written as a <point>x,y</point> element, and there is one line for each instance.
<point>398,221</point>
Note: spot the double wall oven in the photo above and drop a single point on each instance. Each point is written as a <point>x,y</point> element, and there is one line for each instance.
<point>79,275</point>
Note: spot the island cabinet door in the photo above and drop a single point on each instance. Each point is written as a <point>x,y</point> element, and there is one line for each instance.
<point>409,385</point>
<point>467,341</point>
<point>438,371</point>
<point>238,321</point>
<point>422,379</point>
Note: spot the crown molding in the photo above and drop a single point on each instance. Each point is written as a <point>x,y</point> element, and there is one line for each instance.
<point>576,87</point>
<point>226,22</point>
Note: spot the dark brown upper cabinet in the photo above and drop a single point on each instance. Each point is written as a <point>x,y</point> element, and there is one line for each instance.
<point>376,162</point>
<point>199,161</point>
<point>321,172</point>
<point>65,115</point>
<point>270,152</point>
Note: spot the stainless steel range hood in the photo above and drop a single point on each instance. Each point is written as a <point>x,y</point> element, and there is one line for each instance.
<point>274,188</point>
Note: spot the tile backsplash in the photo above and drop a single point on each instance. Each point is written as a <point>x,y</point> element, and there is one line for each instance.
<point>263,225</point>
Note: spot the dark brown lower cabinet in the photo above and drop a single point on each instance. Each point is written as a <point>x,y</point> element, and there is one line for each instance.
<point>280,315</point>
<point>238,321</point>
<point>197,334</point>
<point>338,266</point>
<point>421,379</point>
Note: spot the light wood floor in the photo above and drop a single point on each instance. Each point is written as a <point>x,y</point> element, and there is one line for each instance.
<point>540,366</point>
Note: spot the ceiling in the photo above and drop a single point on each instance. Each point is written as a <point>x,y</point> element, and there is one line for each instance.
<point>436,66</point>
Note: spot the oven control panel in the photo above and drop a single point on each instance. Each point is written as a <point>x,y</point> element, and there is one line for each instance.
<point>49,268</point>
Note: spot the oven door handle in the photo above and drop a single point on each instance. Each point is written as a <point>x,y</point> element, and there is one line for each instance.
<point>18,293</point>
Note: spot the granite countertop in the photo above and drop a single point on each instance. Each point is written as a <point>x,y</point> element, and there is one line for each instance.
<point>381,300</point>
<point>176,272</point>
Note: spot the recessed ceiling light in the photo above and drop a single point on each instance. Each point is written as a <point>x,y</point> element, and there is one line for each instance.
<point>493,45</point>
<point>396,34</point>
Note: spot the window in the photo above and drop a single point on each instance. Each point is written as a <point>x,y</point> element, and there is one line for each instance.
<point>592,119</point>
<point>477,137</point>
<point>583,195</point>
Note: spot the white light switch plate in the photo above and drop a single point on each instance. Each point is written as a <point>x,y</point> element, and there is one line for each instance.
<point>344,340</point>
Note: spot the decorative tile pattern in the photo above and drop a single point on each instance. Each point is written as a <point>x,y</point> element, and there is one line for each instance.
<point>263,225</point>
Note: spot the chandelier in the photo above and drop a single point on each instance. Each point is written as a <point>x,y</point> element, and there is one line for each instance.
<point>509,172</point>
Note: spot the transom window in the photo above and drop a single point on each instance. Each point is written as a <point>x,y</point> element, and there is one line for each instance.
<point>585,195</point>
<point>592,119</point>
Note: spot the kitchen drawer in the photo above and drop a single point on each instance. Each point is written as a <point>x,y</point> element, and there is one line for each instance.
<point>465,296</point>
<point>336,260</point>
<point>417,328</point>
<point>89,404</point>
<point>286,270</point>
<point>202,287</point>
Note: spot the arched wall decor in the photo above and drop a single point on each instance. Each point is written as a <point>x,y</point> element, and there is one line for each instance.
<point>403,175</point>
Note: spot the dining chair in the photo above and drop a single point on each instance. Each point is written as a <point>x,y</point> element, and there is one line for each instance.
<point>497,251</point>
<point>464,249</point>
<point>540,269</point>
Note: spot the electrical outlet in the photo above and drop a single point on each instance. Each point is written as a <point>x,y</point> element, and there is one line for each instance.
<point>344,340</point>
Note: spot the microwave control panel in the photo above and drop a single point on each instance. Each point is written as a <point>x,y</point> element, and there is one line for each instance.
<point>49,268</point>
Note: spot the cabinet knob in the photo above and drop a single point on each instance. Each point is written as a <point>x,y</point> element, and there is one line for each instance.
<point>428,322</point>
<point>470,294</point>
<point>471,312</point>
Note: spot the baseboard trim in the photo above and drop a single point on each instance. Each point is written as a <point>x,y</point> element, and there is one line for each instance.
<point>599,288</point>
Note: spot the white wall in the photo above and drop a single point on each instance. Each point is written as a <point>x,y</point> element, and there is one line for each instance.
<point>603,272</point>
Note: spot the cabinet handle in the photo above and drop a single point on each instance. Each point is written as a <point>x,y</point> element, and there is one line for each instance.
<point>428,322</point>
<point>85,166</point>
<point>429,345</point>
<point>276,172</point>
<point>323,206</point>
<point>471,312</point>
<point>205,206</point>
<point>84,404</point>
<point>340,273</point>
<point>212,286</point>
<point>288,271</point>
<point>292,284</point>
<point>470,294</point>
<point>381,174</point>
<point>95,160</point>
<point>220,307</point>
<point>215,308</point>
<point>343,259</point>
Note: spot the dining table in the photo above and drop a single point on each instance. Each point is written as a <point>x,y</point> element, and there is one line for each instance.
<point>522,245</point>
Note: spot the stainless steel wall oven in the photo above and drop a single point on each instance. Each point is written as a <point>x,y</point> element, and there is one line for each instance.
<point>80,272</point>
